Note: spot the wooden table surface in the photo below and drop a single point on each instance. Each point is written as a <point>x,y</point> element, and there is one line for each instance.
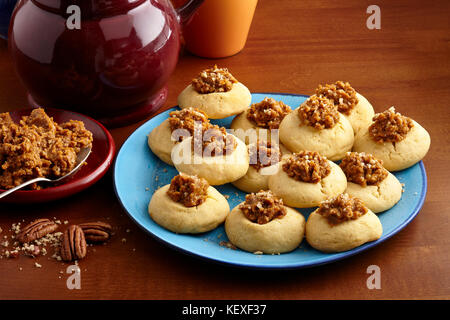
<point>292,46</point>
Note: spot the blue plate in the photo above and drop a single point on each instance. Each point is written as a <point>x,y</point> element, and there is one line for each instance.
<point>138,173</point>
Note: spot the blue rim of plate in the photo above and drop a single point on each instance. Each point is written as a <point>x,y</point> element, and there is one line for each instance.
<point>326,260</point>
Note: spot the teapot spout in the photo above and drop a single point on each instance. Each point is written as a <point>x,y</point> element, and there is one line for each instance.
<point>186,11</point>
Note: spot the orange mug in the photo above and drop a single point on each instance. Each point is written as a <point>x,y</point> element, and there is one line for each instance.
<point>219,28</point>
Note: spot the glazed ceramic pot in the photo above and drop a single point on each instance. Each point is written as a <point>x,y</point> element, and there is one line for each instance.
<point>110,59</point>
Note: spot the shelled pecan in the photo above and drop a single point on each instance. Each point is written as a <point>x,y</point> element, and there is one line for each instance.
<point>73,246</point>
<point>36,230</point>
<point>96,231</point>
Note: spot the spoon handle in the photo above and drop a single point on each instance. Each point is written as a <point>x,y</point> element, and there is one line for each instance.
<point>20,186</point>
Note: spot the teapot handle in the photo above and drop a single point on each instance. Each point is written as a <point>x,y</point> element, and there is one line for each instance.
<point>186,11</point>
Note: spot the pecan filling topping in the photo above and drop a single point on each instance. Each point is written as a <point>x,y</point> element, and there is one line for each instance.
<point>186,119</point>
<point>318,112</point>
<point>37,146</point>
<point>268,113</point>
<point>264,154</point>
<point>262,207</point>
<point>307,166</point>
<point>214,142</point>
<point>363,169</point>
<point>213,80</point>
<point>190,191</point>
<point>390,126</point>
<point>342,208</point>
<point>341,93</point>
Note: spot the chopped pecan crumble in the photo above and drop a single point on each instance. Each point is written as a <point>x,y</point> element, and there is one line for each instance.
<point>318,112</point>
<point>264,154</point>
<point>186,119</point>
<point>188,190</point>
<point>341,93</point>
<point>32,240</point>
<point>268,113</point>
<point>342,208</point>
<point>213,80</point>
<point>214,142</point>
<point>363,169</point>
<point>390,126</point>
<point>262,207</point>
<point>307,166</point>
<point>38,238</point>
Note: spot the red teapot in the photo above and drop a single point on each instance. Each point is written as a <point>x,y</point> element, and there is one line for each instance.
<point>110,59</point>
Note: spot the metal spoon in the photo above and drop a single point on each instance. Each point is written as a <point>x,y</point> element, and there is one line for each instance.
<point>81,158</point>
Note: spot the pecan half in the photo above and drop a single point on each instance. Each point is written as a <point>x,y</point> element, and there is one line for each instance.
<point>36,230</point>
<point>96,231</point>
<point>73,246</point>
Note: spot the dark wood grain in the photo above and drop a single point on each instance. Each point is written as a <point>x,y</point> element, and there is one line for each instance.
<point>293,45</point>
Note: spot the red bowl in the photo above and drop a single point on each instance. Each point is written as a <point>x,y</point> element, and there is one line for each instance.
<point>98,163</point>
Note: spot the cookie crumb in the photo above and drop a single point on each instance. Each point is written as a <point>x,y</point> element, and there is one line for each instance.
<point>227,244</point>
<point>258,252</point>
<point>37,265</point>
